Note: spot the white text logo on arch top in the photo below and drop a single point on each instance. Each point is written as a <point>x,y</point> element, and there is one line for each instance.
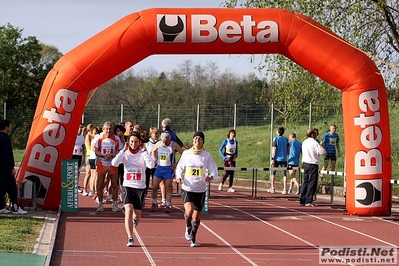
<point>206,28</point>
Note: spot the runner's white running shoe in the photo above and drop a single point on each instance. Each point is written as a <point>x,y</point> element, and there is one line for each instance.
<point>230,189</point>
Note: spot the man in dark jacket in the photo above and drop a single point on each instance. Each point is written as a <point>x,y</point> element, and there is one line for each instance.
<point>7,171</point>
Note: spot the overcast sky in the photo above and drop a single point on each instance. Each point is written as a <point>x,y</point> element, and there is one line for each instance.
<point>67,23</point>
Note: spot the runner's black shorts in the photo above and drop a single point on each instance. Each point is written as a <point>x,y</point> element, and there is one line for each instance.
<point>133,196</point>
<point>198,198</point>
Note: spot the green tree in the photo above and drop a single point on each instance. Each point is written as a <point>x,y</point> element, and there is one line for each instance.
<point>371,25</point>
<point>24,64</point>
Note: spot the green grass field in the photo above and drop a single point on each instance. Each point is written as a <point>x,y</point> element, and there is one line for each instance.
<point>18,234</point>
<point>254,148</point>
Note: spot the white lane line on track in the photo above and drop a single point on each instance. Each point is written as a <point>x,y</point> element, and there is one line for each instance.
<point>146,252</point>
<point>326,221</point>
<point>338,225</point>
<point>106,253</point>
<point>269,224</point>
<point>275,227</point>
<point>225,242</point>
<point>385,220</point>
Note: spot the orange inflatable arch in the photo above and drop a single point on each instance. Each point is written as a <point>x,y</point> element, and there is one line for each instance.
<point>217,31</point>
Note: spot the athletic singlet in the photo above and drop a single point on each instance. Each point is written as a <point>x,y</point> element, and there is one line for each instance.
<point>88,146</point>
<point>230,148</point>
<point>107,146</point>
<point>165,155</point>
<point>92,147</point>
<point>78,148</point>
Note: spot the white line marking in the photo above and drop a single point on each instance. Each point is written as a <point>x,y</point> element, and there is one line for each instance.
<point>147,253</point>
<point>324,220</point>
<point>225,242</point>
<point>275,227</point>
<point>385,220</point>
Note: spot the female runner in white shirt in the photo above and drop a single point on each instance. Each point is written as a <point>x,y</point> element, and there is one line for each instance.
<point>135,162</point>
<point>198,168</point>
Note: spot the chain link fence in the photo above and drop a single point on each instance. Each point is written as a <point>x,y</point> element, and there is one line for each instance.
<point>200,117</point>
<point>187,119</point>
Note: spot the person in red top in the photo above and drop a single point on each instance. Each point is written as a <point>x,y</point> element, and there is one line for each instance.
<point>106,148</point>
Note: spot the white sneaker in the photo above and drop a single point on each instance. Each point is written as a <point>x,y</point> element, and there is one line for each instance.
<point>19,211</point>
<point>284,192</point>
<point>91,193</point>
<point>4,211</point>
<point>130,242</point>
<point>193,243</point>
<point>85,193</point>
<point>230,189</point>
<point>271,190</point>
<point>220,187</point>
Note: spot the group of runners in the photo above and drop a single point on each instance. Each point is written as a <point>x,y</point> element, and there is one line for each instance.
<point>121,160</point>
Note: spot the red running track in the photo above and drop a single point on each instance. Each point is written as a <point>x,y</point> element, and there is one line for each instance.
<point>239,230</point>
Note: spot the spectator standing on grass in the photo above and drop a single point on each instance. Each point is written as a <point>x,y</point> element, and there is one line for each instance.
<point>330,142</point>
<point>196,167</point>
<point>135,162</point>
<point>311,150</point>
<point>7,172</point>
<point>280,149</point>
<point>229,152</point>
<point>293,160</point>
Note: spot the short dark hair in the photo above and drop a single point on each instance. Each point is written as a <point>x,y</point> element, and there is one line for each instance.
<point>135,134</point>
<point>4,123</point>
<point>310,132</point>
<point>120,127</point>
<point>280,131</point>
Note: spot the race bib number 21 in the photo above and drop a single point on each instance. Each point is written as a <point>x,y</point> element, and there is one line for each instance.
<point>133,176</point>
<point>195,171</point>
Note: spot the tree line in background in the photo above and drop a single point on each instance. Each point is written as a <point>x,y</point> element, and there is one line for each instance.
<point>371,25</point>
<point>24,64</point>
<point>180,91</point>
